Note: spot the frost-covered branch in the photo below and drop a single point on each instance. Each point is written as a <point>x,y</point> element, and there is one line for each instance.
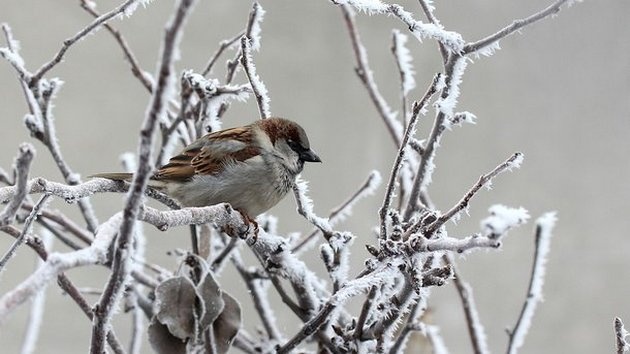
<point>489,41</point>
<point>22,166</point>
<point>409,132</point>
<point>26,229</point>
<point>621,344</point>
<point>223,46</point>
<point>127,8</point>
<point>121,265</point>
<point>258,87</point>
<point>544,226</point>
<point>475,328</point>
<point>305,208</point>
<point>364,72</point>
<point>342,211</point>
<point>513,161</point>
<point>145,78</point>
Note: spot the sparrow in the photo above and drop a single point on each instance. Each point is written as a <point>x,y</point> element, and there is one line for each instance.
<point>250,167</point>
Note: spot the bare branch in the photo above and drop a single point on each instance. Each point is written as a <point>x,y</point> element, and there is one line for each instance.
<point>145,78</point>
<point>513,161</point>
<point>473,47</point>
<point>157,108</point>
<point>27,226</point>
<point>409,132</point>
<point>98,22</point>
<point>365,74</point>
<point>223,45</point>
<point>22,166</point>
<point>340,212</point>
<point>259,88</point>
<point>622,344</point>
<point>544,226</point>
<point>475,328</point>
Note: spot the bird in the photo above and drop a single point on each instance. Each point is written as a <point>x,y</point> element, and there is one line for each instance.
<point>251,167</point>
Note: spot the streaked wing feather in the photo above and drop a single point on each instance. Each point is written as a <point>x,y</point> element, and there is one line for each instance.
<point>209,154</point>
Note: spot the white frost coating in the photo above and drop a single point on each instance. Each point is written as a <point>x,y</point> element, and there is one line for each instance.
<point>404,59</point>
<point>128,161</point>
<point>516,162</point>
<point>254,38</point>
<point>433,334</point>
<point>59,262</point>
<point>257,85</point>
<point>447,105</point>
<point>488,50</point>
<point>374,181</point>
<point>451,40</point>
<point>475,322</point>
<point>305,203</point>
<point>502,219</point>
<point>368,6</point>
<point>361,285</point>
<point>544,225</point>
<point>37,307</point>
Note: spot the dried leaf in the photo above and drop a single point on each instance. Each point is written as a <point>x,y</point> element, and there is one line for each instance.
<point>227,324</point>
<point>211,300</point>
<point>175,303</point>
<point>162,341</point>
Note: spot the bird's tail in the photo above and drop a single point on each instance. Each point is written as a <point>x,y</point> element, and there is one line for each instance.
<point>127,177</point>
<point>118,176</point>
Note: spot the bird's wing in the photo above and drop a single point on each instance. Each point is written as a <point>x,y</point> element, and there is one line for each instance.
<point>209,154</point>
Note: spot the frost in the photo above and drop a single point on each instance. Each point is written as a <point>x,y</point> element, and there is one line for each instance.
<point>545,225</point>
<point>258,13</point>
<point>502,219</point>
<point>404,59</point>
<point>368,6</point>
<point>256,83</point>
<point>487,50</point>
<point>447,105</point>
<point>516,162</point>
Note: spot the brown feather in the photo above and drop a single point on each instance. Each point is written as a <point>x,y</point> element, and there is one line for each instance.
<point>209,154</point>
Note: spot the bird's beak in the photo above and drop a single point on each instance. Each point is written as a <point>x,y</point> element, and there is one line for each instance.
<point>309,156</point>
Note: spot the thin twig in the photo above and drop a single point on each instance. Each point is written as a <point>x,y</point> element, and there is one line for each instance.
<point>144,77</point>
<point>223,45</point>
<point>309,328</point>
<point>22,166</point>
<point>620,337</point>
<point>258,87</point>
<point>27,226</point>
<point>428,12</point>
<point>409,132</point>
<point>513,27</point>
<point>340,212</point>
<point>82,33</point>
<point>544,226</point>
<point>157,108</point>
<point>507,165</point>
<point>365,74</point>
<point>475,328</point>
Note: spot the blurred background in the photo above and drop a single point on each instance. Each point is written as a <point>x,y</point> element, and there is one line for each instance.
<point>559,91</point>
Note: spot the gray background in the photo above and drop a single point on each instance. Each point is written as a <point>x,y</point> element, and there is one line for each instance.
<point>559,92</point>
